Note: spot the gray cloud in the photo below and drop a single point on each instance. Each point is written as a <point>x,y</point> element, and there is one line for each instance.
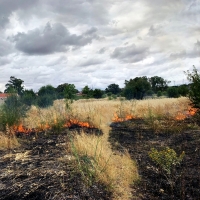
<point>130,54</point>
<point>91,31</point>
<point>53,38</point>
<point>155,30</point>
<point>194,53</point>
<point>80,11</point>
<point>178,55</point>
<point>5,47</point>
<point>4,61</point>
<point>9,6</point>
<point>102,50</point>
<point>92,61</point>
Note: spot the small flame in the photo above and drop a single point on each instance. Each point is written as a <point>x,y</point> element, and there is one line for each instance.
<point>72,122</point>
<point>116,118</point>
<point>190,112</point>
<point>21,129</point>
<point>45,126</point>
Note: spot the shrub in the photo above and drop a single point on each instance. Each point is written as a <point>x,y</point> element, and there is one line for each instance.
<point>12,111</point>
<point>173,92</point>
<point>45,101</point>
<point>194,91</point>
<point>166,159</point>
<point>159,93</point>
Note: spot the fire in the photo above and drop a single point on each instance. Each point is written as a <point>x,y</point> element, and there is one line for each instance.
<point>73,122</point>
<point>46,126</point>
<point>116,118</point>
<point>190,112</point>
<point>22,129</point>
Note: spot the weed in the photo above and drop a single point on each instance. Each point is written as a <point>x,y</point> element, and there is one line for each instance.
<point>166,161</point>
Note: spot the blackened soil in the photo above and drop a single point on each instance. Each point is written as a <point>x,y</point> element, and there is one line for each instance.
<point>138,138</point>
<point>42,169</point>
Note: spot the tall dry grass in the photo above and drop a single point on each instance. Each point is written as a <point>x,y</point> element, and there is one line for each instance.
<point>116,171</point>
<point>8,143</point>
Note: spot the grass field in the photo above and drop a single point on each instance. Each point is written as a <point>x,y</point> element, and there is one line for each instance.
<point>116,170</point>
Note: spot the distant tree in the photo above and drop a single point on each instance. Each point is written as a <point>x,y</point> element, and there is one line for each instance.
<point>87,92</point>
<point>173,92</point>
<point>28,97</point>
<point>97,93</point>
<point>194,92</point>
<point>159,93</point>
<point>14,85</point>
<point>60,90</point>
<point>47,90</point>
<point>113,88</point>
<point>45,100</point>
<point>70,91</point>
<point>183,90</point>
<point>158,83</point>
<point>136,88</point>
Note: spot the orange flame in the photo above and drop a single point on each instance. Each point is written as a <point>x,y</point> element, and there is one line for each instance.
<point>116,118</point>
<point>72,122</point>
<point>190,112</point>
<point>21,129</point>
<point>42,127</point>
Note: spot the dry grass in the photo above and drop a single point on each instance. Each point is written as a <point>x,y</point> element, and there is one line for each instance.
<point>116,171</point>
<point>100,113</point>
<point>7,143</point>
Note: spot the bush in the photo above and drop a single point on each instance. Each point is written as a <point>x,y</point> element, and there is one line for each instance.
<point>173,92</point>
<point>194,91</point>
<point>45,101</point>
<point>159,93</point>
<point>12,111</point>
<point>166,159</point>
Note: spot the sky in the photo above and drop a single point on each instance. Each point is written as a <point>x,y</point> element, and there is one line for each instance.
<point>97,42</point>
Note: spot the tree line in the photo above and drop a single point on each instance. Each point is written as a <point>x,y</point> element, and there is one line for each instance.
<point>136,88</point>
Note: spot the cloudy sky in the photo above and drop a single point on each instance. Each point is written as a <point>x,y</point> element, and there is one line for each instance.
<point>97,42</point>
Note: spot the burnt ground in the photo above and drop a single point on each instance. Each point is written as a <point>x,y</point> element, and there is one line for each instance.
<point>138,137</point>
<point>42,169</point>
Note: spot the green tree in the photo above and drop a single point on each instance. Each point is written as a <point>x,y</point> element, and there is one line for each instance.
<point>45,100</point>
<point>87,92</point>
<point>60,90</point>
<point>12,111</point>
<point>28,97</point>
<point>47,90</point>
<point>113,88</point>
<point>194,91</point>
<point>70,91</point>
<point>183,90</point>
<point>173,92</point>
<point>14,85</point>
<point>158,83</point>
<point>97,93</point>
<point>136,88</point>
